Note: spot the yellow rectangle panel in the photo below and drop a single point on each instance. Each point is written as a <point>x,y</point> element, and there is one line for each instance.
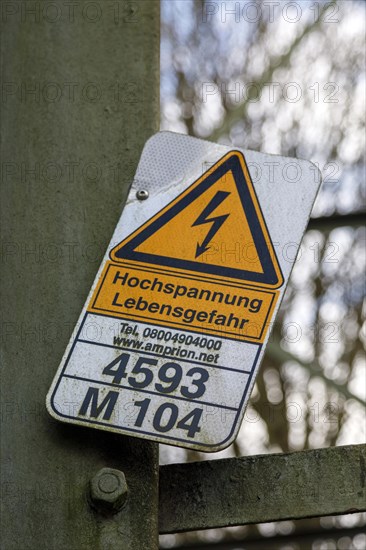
<point>221,309</point>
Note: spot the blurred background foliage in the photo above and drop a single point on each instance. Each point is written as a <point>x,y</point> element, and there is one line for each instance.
<point>287,78</point>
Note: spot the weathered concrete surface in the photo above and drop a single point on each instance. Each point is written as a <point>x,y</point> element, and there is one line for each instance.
<point>238,491</point>
<point>79,98</point>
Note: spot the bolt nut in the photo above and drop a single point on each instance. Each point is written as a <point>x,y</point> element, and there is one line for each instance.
<point>108,491</point>
<point>142,194</point>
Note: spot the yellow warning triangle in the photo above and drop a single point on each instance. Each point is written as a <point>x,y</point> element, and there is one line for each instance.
<point>184,238</point>
<point>215,228</point>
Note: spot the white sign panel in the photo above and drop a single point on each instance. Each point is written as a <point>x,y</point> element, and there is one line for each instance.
<point>175,326</point>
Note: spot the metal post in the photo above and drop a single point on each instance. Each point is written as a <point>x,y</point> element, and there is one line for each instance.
<point>79,98</point>
<point>263,488</point>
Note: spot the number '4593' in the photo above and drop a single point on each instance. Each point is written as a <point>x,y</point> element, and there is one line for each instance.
<point>170,376</point>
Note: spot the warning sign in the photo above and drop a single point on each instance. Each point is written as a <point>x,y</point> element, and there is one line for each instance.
<point>215,228</point>
<point>172,334</point>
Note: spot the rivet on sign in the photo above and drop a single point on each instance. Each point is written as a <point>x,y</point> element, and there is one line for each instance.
<point>142,195</point>
<point>108,491</point>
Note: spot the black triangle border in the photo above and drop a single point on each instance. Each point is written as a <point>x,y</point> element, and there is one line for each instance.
<point>269,275</point>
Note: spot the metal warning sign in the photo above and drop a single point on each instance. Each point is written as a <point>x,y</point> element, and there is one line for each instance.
<point>173,331</point>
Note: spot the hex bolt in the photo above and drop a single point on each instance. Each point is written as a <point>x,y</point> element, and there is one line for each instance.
<point>108,491</point>
<point>142,194</point>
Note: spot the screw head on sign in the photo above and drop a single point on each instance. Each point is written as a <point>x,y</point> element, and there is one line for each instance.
<point>108,491</point>
<point>142,194</point>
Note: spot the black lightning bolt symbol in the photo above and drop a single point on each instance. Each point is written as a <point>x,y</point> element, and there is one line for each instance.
<point>216,221</point>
